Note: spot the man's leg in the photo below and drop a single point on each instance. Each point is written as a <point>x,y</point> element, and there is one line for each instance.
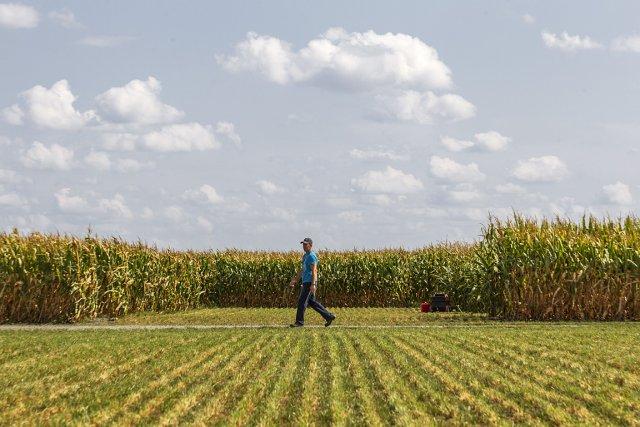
<point>315,304</point>
<point>303,300</point>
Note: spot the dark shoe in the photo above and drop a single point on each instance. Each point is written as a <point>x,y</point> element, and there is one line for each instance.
<point>331,319</point>
<point>296,325</point>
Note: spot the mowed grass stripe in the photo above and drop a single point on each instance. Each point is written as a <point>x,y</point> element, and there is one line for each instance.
<point>177,365</point>
<point>403,393</point>
<point>243,412</point>
<point>383,379</point>
<point>268,413</point>
<point>217,404</point>
<point>434,356</point>
<point>511,381</point>
<point>345,403</point>
<point>185,393</point>
<point>371,410</point>
<point>290,411</point>
<point>322,389</point>
<point>571,381</point>
<point>55,397</point>
<point>309,397</point>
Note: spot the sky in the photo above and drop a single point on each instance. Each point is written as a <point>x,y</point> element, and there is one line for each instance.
<point>362,124</point>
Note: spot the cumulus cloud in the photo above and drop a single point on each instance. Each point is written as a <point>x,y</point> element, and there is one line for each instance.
<point>119,141</point>
<point>13,115</point>
<point>528,19</point>
<point>449,170</point>
<point>348,60</point>
<point>54,157</point>
<point>132,165</point>
<point>464,193</point>
<point>204,193</point>
<point>540,169</point>
<point>268,187</point>
<point>205,224</point>
<point>492,141</point>
<point>98,160</point>
<point>8,176</point>
<point>389,180</point>
<point>174,213</point>
<point>69,203</point>
<point>65,18</point>
<point>182,137</point>
<point>375,155</point>
<point>115,206</point>
<point>49,108</point>
<point>13,200</point>
<point>16,15</point>
<point>485,141</point>
<point>626,44</point>
<point>425,108</point>
<point>617,194</point>
<point>455,145</point>
<point>105,41</point>
<point>569,43</point>
<point>228,131</point>
<point>510,188</point>
<point>137,102</point>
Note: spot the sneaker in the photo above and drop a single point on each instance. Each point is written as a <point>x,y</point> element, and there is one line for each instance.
<point>331,319</point>
<point>296,325</point>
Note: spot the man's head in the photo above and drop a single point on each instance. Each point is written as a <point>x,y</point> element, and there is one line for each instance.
<point>307,243</point>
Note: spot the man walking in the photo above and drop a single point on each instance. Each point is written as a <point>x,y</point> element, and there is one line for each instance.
<point>309,275</point>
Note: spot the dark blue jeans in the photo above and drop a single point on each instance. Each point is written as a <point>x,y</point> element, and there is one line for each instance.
<point>307,298</point>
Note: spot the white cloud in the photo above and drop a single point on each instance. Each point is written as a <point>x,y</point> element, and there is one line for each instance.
<point>344,60</point>
<point>381,199</point>
<point>268,187</point>
<point>228,130</point>
<point>182,137</point>
<point>492,141</point>
<point>205,193</point>
<point>13,115</point>
<point>528,19</point>
<point>455,145</point>
<point>105,41</point>
<point>9,176</point>
<point>116,207</point>
<point>351,216</point>
<point>98,160</point>
<point>464,193</point>
<point>147,213</point>
<point>16,15</point>
<point>205,224</point>
<point>509,188</point>
<point>626,44</point>
<point>375,154</point>
<point>485,141</point>
<point>65,18</point>
<point>447,169</point>
<point>53,108</point>
<point>119,141</point>
<point>137,102</point>
<point>174,213</point>
<point>618,193</point>
<point>569,43</point>
<point>40,156</point>
<point>425,108</point>
<point>282,214</point>
<point>390,180</point>
<point>540,169</point>
<point>70,203</point>
<point>13,200</point>
<point>132,165</point>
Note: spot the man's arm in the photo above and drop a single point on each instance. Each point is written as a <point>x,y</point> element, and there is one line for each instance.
<point>295,279</point>
<point>314,276</point>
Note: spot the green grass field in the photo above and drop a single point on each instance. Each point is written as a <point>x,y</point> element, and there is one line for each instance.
<point>464,369</point>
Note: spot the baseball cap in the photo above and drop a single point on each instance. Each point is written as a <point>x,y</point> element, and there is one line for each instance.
<point>307,240</point>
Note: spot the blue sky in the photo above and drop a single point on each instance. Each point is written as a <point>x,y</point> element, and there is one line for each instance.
<point>361,124</point>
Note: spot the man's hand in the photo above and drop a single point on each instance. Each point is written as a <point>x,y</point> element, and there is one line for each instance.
<point>312,289</point>
<point>293,283</point>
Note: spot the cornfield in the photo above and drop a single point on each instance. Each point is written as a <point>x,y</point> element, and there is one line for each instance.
<point>520,269</point>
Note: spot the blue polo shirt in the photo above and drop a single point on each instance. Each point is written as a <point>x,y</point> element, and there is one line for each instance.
<point>308,259</point>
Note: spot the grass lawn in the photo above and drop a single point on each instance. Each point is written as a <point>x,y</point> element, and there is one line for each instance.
<point>467,371</point>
